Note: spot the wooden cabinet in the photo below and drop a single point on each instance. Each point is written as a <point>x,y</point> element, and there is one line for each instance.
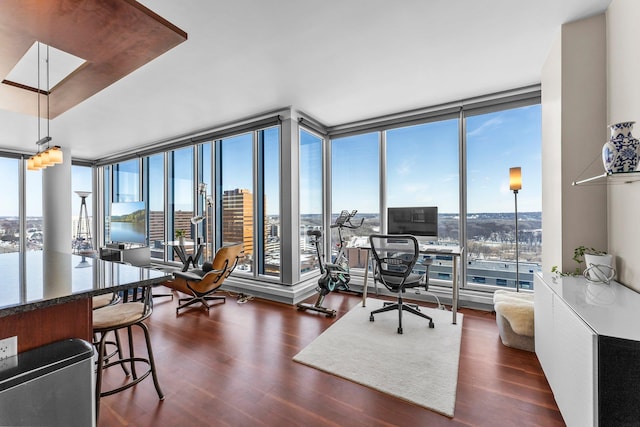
<point>588,343</point>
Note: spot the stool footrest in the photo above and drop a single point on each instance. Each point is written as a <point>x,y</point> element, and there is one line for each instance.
<point>134,381</point>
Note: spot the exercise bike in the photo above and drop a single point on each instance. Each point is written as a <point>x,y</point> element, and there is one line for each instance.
<point>334,276</point>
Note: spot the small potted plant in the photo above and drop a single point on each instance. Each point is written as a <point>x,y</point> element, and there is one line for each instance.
<point>590,257</point>
<point>180,235</point>
<point>595,258</point>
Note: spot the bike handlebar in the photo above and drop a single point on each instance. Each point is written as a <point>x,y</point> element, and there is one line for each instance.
<point>344,220</point>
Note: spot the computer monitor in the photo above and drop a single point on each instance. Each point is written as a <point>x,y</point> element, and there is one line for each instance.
<point>418,221</point>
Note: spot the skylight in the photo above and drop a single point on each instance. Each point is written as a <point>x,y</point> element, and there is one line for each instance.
<point>61,64</point>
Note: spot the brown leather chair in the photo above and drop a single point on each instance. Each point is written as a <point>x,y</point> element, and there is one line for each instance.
<point>200,284</point>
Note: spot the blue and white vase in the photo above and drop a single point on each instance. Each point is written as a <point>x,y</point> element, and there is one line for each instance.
<point>620,153</point>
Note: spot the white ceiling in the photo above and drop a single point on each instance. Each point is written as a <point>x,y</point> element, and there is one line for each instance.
<point>336,60</point>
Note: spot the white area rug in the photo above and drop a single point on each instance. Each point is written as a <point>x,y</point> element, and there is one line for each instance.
<point>420,366</point>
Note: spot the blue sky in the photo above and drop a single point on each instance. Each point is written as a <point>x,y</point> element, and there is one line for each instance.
<point>422,168</point>
<point>81,181</point>
<point>423,165</point>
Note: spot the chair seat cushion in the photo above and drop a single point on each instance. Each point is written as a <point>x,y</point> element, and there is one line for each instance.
<point>100,301</point>
<point>116,315</point>
<point>395,281</point>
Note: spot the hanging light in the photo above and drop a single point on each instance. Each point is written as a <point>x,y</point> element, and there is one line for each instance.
<point>50,155</point>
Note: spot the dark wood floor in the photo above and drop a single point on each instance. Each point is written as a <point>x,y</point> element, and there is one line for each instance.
<point>233,367</point>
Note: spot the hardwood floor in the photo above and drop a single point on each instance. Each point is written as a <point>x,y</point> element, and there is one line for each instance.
<point>233,367</point>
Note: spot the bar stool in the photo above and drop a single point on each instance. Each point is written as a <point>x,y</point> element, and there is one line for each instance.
<point>104,300</point>
<point>98,302</point>
<point>124,316</point>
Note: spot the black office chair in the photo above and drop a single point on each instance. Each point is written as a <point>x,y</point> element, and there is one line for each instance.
<point>394,257</point>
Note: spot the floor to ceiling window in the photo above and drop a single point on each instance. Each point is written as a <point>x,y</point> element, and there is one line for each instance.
<point>416,161</point>
<point>33,195</point>
<point>21,187</point>
<point>204,206</point>
<point>269,179</point>
<point>213,191</point>
<point>355,185</point>
<point>421,167</point>
<point>124,204</point>
<point>236,197</point>
<point>153,167</point>
<point>181,195</point>
<point>12,196</point>
<point>497,141</point>
<point>10,207</point>
<point>126,181</point>
<point>423,171</point>
<point>310,196</point>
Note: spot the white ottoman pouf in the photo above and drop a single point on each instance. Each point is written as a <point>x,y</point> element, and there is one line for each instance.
<point>514,316</point>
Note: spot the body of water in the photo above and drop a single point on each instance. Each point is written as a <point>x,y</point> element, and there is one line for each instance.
<point>128,232</point>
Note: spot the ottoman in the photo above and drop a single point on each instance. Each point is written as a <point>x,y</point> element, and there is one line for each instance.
<point>514,316</point>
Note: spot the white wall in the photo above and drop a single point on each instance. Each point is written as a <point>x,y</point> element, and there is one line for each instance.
<point>552,163</point>
<point>574,130</point>
<point>623,90</point>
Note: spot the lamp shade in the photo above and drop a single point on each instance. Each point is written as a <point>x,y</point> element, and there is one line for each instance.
<point>44,159</point>
<point>55,155</point>
<point>31,164</point>
<point>37,161</point>
<point>515,179</point>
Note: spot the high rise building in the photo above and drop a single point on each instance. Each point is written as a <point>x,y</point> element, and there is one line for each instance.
<point>237,218</point>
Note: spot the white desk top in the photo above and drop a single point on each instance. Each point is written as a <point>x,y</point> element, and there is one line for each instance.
<point>362,242</point>
<point>440,250</point>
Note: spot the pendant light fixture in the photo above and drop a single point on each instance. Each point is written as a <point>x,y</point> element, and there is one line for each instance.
<point>48,156</point>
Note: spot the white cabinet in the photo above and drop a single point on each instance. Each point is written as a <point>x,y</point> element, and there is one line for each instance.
<point>588,344</point>
<point>543,326</point>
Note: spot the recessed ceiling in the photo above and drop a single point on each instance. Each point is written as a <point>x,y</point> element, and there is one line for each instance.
<point>115,38</point>
<point>338,61</point>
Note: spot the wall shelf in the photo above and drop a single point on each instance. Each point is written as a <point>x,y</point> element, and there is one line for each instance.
<point>610,178</point>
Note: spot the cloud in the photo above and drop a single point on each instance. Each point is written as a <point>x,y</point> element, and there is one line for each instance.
<point>493,122</point>
<point>404,168</point>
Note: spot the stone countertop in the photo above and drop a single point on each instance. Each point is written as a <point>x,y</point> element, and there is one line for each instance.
<point>38,279</point>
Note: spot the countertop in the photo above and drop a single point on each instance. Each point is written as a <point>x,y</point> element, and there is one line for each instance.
<point>37,279</point>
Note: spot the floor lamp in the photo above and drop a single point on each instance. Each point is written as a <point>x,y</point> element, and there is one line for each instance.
<point>82,244</point>
<point>515,184</point>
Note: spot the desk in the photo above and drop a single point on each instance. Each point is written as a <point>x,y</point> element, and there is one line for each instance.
<point>453,251</point>
<point>46,296</point>
<point>180,250</point>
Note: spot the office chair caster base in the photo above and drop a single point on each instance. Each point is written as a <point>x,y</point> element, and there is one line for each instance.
<point>400,331</point>
<point>371,318</point>
<point>431,325</point>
